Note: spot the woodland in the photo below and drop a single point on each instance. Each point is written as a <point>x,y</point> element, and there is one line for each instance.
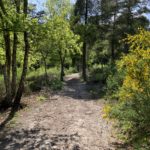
<point>99,49</point>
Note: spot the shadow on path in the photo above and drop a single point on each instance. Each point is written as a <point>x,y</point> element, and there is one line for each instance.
<point>79,90</point>
<point>8,119</point>
<point>37,139</point>
<point>61,125</point>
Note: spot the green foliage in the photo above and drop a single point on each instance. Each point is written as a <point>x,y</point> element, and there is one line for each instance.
<point>55,84</point>
<point>55,41</point>
<point>133,109</point>
<point>62,38</point>
<point>36,85</point>
<point>100,72</point>
<point>2,56</point>
<point>113,83</point>
<point>71,70</point>
<point>36,79</point>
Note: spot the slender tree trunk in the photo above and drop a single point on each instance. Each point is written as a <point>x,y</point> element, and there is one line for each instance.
<point>84,65</point>
<point>45,66</point>
<point>7,74</point>
<point>24,72</point>
<point>14,66</point>
<point>73,61</point>
<point>14,57</point>
<point>25,64</point>
<point>62,60</point>
<point>46,75</point>
<point>112,50</point>
<point>129,24</point>
<point>7,68</point>
<point>62,71</point>
<point>113,36</point>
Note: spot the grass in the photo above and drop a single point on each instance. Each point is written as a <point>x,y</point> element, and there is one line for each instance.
<point>70,71</point>
<point>41,71</point>
<point>36,79</point>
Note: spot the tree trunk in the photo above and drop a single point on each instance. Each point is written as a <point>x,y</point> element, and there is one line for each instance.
<point>129,25</point>
<point>46,75</point>
<point>25,64</point>
<point>44,57</point>
<point>24,72</point>
<point>8,101</point>
<point>84,66</point>
<point>14,66</point>
<point>14,57</point>
<point>112,50</point>
<point>62,60</point>
<point>7,73</point>
<point>113,32</point>
<point>5,77</point>
<point>62,71</point>
<point>113,37</point>
<point>73,61</point>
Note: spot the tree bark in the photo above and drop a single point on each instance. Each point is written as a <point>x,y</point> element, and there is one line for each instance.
<point>62,71</point>
<point>129,24</point>
<point>46,75</point>
<point>113,35</point>
<point>14,66</point>
<point>17,100</point>
<point>62,60</point>
<point>7,74</point>
<point>112,50</point>
<point>84,65</point>
<point>6,35</point>
<point>14,57</point>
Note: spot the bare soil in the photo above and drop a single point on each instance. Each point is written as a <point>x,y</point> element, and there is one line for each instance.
<point>68,120</point>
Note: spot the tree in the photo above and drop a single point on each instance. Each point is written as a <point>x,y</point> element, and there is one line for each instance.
<point>14,22</point>
<point>25,63</point>
<point>64,41</point>
<point>14,53</point>
<point>81,11</point>
<point>60,41</point>
<point>7,66</point>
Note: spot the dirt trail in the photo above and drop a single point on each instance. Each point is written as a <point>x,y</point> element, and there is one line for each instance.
<point>70,121</point>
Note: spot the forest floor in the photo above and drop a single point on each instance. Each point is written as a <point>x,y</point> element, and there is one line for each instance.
<point>68,120</point>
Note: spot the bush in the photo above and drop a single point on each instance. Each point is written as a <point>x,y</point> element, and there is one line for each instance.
<point>113,83</point>
<point>55,84</point>
<point>100,73</point>
<point>36,85</point>
<point>36,80</point>
<point>133,108</point>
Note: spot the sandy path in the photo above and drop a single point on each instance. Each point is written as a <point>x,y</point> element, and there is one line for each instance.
<point>72,121</point>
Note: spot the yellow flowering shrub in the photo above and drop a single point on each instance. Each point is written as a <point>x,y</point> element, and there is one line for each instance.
<point>137,68</point>
<point>136,65</point>
<point>107,110</point>
<point>133,108</point>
